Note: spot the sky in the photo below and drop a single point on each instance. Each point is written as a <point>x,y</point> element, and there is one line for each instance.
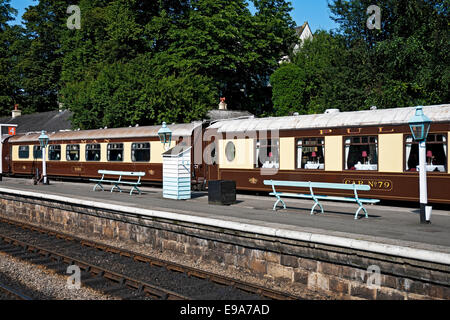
<point>316,12</point>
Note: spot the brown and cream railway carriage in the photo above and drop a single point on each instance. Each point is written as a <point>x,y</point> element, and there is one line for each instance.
<point>373,147</point>
<point>80,154</point>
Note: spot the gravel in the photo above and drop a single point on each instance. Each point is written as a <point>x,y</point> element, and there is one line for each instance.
<point>41,284</point>
<point>181,283</point>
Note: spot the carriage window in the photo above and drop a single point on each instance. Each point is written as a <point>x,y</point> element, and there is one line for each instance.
<point>93,152</point>
<point>361,153</point>
<point>436,153</point>
<point>37,152</point>
<point>230,151</point>
<point>115,152</point>
<point>310,153</point>
<point>54,152</point>
<point>24,152</point>
<point>73,152</point>
<point>268,153</point>
<point>140,152</point>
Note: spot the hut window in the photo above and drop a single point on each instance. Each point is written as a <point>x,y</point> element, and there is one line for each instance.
<point>436,153</point>
<point>140,152</point>
<point>24,152</point>
<point>115,152</point>
<point>230,151</point>
<point>268,153</point>
<point>37,152</point>
<point>310,153</point>
<point>54,152</point>
<point>73,152</point>
<point>93,152</point>
<point>361,153</point>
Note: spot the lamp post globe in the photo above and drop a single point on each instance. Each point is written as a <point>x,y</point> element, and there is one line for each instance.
<point>165,136</point>
<point>43,141</point>
<point>420,126</point>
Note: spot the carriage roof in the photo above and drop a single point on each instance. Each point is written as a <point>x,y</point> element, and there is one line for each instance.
<point>397,116</point>
<point>178,130</point>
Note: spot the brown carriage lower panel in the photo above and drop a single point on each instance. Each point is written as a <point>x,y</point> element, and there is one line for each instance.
<point>153,171</point>
<point>386,186</point>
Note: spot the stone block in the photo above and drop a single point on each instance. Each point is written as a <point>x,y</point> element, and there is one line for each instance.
<point>280,272</point>
<point>307,264</point>
<point>274,257</point>
<point>301,277</point>
<point>258,266</point>
<point>318,281</point>
<point>339,285</point>
<point>289,261</point>
<point>362,291</point>
<point>389,294</point>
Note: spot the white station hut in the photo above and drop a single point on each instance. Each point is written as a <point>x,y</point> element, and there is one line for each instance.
<point>177,172</point>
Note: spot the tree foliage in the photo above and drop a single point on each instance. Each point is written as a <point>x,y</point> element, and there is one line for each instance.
<point>405,63</point>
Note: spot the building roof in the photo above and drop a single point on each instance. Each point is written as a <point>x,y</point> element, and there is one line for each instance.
<point>214,115</point>
<point>397,116</point>
<point>49,121</point>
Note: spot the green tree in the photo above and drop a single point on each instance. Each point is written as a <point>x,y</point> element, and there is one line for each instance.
<point>9,35</point>
<point>146,61</point>
<point>408,58</point>
<point>41,59</point>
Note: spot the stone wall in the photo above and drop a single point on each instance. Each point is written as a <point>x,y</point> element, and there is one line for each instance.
<point>330,269</point>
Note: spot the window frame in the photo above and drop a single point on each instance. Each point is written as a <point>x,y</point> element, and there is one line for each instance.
<point>28,153</point>
<point>108,149</point>
<point>35,149</point>
<point>68,150</point>
<point>344,145</point>
<point>405,160</point>
<point>297,139</point>
<point>49,152</point>
<point>86,152</point>
<point>256,162</point>
<point>134,149</point>
<point>230,143</point>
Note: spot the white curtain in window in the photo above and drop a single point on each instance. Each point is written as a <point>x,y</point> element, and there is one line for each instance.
<point>257,154</point>
<point>323,154</point>
<point>299,154</point>
<point>444,139</point>
<point>347,151</point>
<point>408,150</point>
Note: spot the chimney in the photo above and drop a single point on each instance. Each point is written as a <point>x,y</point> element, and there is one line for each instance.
<point>222,104</point>
<point>16,112</point>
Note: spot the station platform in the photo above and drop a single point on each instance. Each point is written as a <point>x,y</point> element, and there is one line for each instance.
<point>386,225</point>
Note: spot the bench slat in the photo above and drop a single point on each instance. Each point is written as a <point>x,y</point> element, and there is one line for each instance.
<point>322,185</point>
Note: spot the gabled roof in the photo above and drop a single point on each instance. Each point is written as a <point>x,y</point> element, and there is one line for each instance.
<point>36,122</point>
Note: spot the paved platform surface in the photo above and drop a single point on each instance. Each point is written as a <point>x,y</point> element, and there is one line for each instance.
<point>386,224</point>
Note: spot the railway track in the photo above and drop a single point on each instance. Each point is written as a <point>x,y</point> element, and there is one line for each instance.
<point>8,293</point>
<point>37,251</point>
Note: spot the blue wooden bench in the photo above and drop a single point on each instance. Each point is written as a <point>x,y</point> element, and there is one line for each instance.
<point>117,182</point>
<point>320,185</point>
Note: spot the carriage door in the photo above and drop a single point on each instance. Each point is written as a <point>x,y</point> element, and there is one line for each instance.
<point>212,154</point>
<point>6,131</point>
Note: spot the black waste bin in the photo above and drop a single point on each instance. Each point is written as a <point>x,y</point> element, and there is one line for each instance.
<point>222,192</point>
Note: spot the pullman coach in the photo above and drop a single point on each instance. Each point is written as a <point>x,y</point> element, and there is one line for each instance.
<point>373,147</point>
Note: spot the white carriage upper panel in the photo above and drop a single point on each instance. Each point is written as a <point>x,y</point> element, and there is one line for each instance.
<point>397,116</point>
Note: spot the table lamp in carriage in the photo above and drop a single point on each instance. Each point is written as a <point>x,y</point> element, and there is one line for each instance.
<point>430,157</point>
<point>43,141</point>
<point>420,126</point>
<point>314,155</point>
<point>165,136</point>
<point>364,155</point>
